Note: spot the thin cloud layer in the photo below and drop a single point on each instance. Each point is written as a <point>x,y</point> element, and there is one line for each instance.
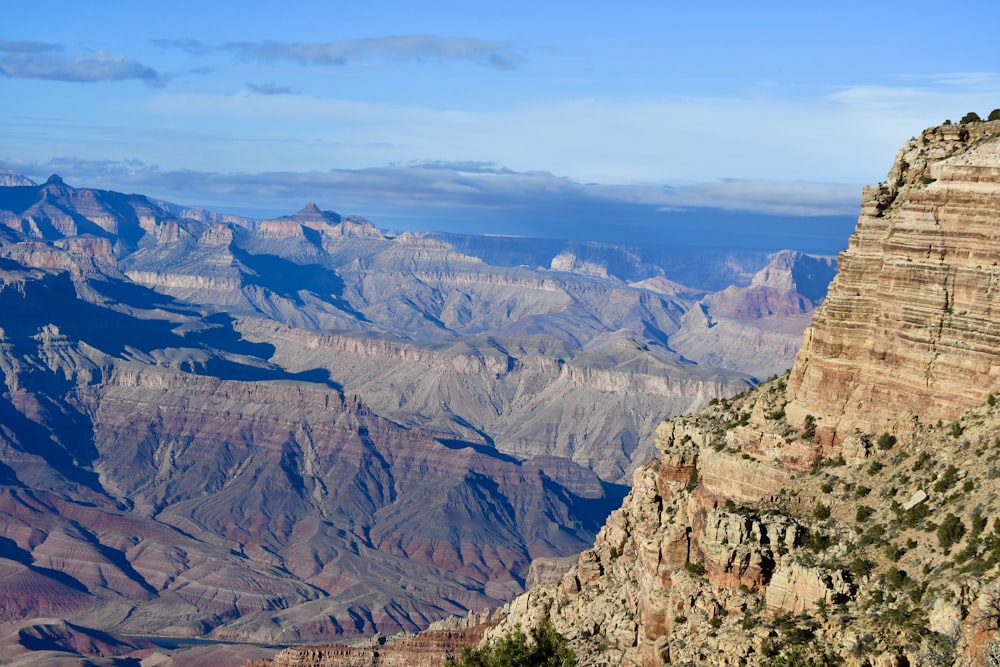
<point>396,48</point>
<point>38,60</point>
<point>270,89</point>
<point>480,198</point>
<point>191,46</point>
<point>462,185</point>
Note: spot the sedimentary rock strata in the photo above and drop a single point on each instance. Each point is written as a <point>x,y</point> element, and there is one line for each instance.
<point>908,330</point>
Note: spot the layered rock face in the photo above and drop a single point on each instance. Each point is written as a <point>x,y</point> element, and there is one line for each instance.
<point>756,328</point>
<point>908,330</point>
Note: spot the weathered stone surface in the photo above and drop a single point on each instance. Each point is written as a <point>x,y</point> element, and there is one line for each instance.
<point>428,649</point>
<point>797,589</point>
<point>908,331</point>
<point>740,478</point>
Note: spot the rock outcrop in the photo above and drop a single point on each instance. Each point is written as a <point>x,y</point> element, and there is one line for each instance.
<point>909,329</point>
<point>428,649</point>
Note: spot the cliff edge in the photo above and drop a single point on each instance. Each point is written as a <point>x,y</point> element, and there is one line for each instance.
<point>908,332</point>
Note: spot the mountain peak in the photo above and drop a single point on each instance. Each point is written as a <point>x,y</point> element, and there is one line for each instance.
<point>10,178</point>
<point>312,213</point>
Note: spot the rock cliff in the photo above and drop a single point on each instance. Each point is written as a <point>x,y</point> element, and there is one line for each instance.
<point>909,329</point>
<point>848,514</point>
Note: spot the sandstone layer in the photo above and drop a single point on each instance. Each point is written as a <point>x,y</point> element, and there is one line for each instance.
<point>908,330</point>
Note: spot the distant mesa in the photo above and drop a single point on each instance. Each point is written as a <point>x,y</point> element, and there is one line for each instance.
<point>54,179</point>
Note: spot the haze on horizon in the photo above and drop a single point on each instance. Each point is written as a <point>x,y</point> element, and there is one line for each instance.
<point>642,122</point>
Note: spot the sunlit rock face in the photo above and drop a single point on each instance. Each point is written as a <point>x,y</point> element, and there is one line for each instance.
<point>908,330</point>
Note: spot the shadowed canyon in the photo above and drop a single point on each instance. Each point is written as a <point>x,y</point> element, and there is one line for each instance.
<point>307,428</point>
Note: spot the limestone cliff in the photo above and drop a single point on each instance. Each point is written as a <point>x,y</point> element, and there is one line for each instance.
<point>909,329</point>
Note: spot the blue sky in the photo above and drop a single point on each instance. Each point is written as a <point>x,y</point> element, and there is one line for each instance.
<point>625,121</point>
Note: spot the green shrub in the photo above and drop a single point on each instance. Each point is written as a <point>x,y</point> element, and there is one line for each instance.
<point>895,578</point>
<point>947,480</point>
<point>863,513</point>
<point>978,523</point>
<point>971,117</point>
<point>816,541</point>
<point>886,441</point>
<point>548,648</point>
<point>821,511</point>
<point>950,531</point>
<point>693,479</point>
<point>921,461</point>
<point>916,514</point>
<point>994,115</point>
<point>809,431</point>
<point>874,534</point>
<point>697,569</point>
<point>861,567</point>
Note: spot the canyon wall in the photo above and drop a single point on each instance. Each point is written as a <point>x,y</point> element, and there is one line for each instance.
<point>908,331</point>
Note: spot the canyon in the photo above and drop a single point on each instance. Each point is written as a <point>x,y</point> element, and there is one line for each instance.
<point>303,428</point>
<point>845,512</point>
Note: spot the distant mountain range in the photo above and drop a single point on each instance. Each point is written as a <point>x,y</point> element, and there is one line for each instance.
<point>305,427</point>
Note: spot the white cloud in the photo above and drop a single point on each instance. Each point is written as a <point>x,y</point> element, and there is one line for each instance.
<point>397,47</point>
<point>35,60</point>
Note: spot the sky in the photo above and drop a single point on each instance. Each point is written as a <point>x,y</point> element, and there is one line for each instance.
<point>640,121</point>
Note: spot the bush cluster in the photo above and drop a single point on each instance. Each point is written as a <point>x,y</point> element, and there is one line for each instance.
<point>547,648</point>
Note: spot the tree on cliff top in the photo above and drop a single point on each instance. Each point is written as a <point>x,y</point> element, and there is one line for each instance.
<point>547,648</point>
